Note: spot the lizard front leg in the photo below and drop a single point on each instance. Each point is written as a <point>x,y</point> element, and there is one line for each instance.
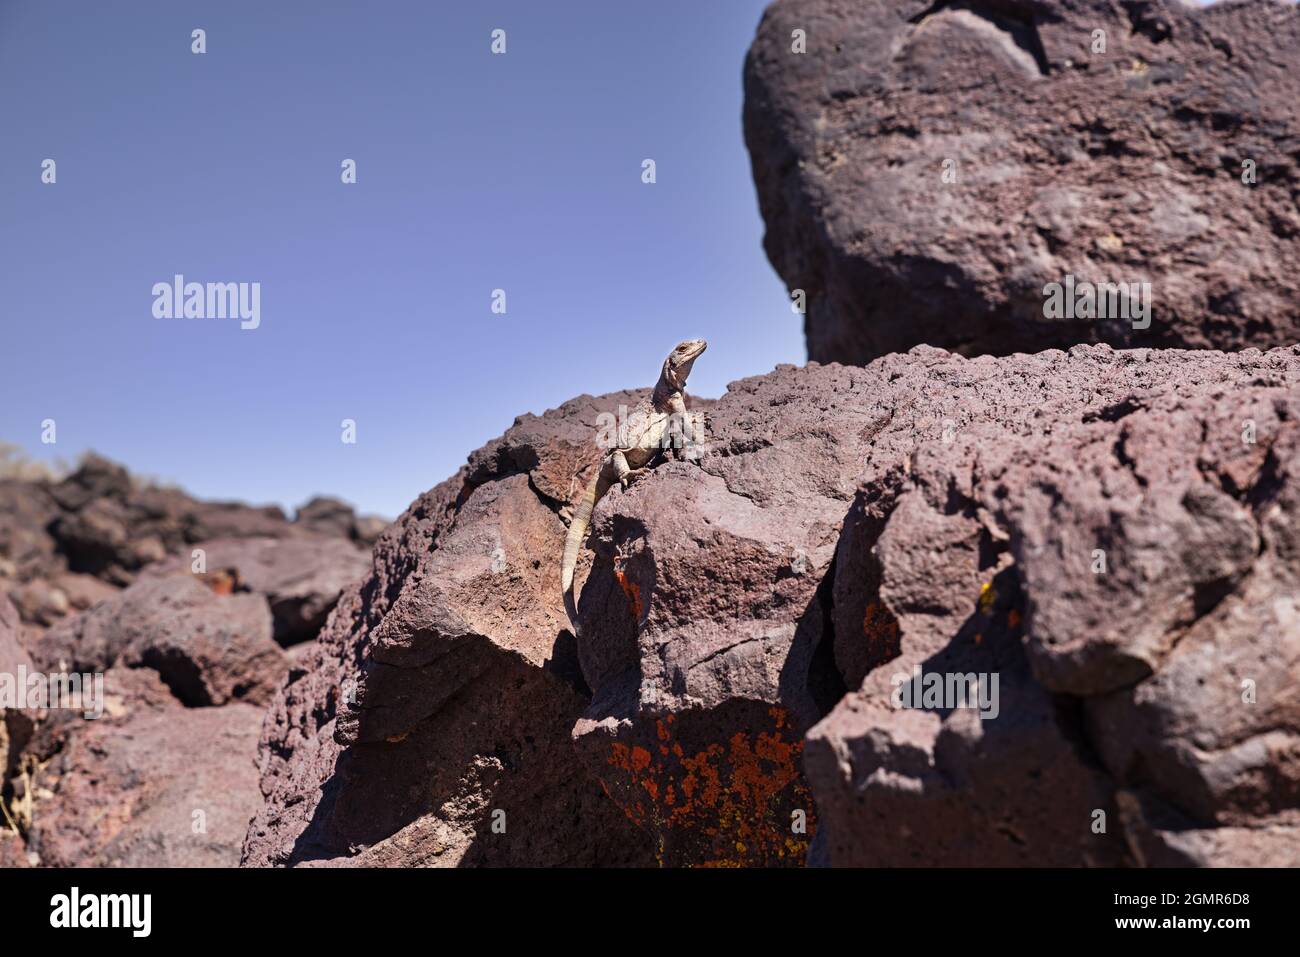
<point>679,431</point>
<point>625,474</point>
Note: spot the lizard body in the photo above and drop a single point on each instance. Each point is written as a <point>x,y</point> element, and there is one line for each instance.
<point>653,427</point>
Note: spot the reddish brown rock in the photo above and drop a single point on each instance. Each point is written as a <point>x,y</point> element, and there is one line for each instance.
<point>926,169</point>
<point>432,724</point>
<point>64,543</point>
<point>838,526</point>
<point>111,526</point>
<point>301,577</point>
<point>151,783</point>
<point>148,782</point>
<point>334,517</point>
<point>1120,680</point>
<point>26,548</point>
<point>46,601</point>
<point>16,724</point>
<point>13,852</point>
<point>210,649</point>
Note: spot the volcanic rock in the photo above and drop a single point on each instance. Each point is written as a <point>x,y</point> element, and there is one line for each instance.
<point>301,577</point>
<point>150,783</point>
<point>744,615</point>
<point>332,516</point>
<point>927,169</point>
<point>431,723</point>
<point>208,648</point>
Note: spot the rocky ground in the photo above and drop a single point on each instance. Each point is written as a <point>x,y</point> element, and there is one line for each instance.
<point>1100,525</point>
<point>194,612</point>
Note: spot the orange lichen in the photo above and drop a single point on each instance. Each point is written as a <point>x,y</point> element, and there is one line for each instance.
<point>632,590</point>
<point>881,628</point>
<point>222,582</point>
<point>730,804</point>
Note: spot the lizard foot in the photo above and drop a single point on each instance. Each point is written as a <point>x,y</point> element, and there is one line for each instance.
<point>631,476</point>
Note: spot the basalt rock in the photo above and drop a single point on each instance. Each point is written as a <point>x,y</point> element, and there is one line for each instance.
<point>187,649</point>
<point>26,548</point>
<point>208,648</point>
<point>926,169</point>
<point>15,724</point>
<point>154,763</point>
<point>743,616</point>
<point>431,723</point>
<point>334,517</point>
<point>65,545</point>
<point>149,783</point>
<point>301,577</point>
<point>111,526</point>
<point>1111,535</point>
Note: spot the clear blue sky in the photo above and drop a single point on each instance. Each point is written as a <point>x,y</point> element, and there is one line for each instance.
<point>475,172</point>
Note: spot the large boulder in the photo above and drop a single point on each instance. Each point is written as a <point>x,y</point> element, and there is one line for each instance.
<point>926,169</point>
<point>1111,537</point>
<point>431,723</point>
<point>743,615</point>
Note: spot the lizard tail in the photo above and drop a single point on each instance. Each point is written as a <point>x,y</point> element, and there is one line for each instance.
<point>577,532</point>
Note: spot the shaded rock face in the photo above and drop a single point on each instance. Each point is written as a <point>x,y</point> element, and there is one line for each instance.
<point>742,617</point>
<point>925,170</point>
<point>431,725</point>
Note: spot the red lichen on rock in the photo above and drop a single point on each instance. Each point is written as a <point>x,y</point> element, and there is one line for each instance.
<point>732,803</point>
<point>881,629</point>
<point>633,592</point>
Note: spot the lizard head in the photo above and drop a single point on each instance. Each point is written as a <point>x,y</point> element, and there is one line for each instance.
<point>679,362</point>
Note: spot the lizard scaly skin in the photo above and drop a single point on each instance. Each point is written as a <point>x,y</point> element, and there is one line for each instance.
<point>652,429</point>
